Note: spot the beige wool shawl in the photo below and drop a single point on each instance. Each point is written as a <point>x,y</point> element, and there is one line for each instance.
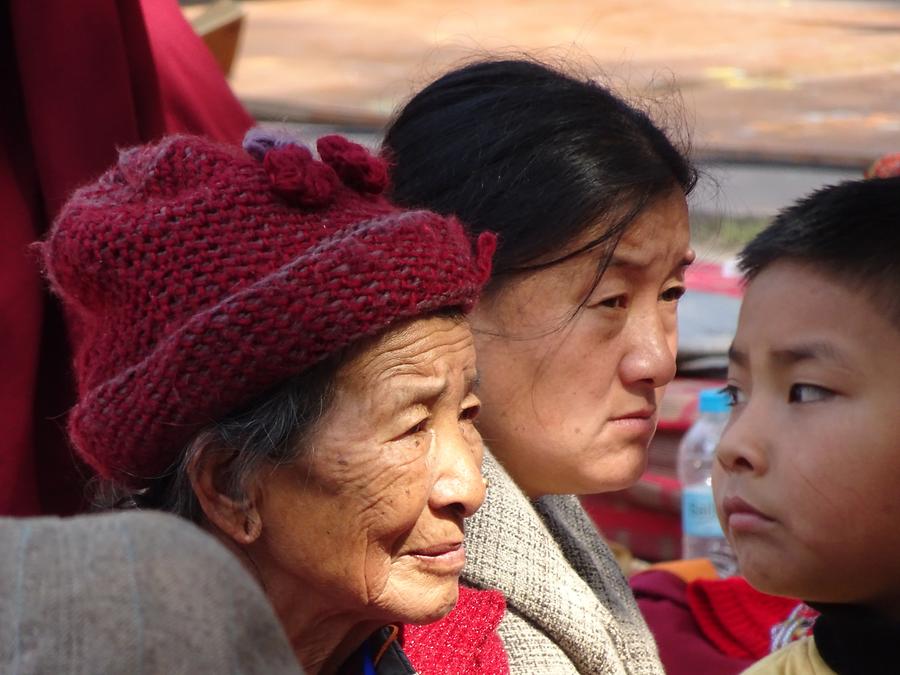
<point>569,608</point>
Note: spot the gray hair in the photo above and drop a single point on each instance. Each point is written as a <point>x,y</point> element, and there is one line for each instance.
<point>274,429</point>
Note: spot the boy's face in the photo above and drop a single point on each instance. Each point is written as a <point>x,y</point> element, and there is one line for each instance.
<point>807,480</point>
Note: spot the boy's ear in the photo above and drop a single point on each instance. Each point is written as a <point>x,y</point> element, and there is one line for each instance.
<point>237,518</point>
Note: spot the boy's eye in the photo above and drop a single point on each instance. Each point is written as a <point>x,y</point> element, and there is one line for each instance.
<point>735,395</point>
<point>808,393</point>
<point>673,294</point>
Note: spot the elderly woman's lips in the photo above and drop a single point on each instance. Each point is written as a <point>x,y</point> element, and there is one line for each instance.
<point>449,558</point>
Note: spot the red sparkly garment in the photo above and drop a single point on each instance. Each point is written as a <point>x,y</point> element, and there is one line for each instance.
<point>465,642</point>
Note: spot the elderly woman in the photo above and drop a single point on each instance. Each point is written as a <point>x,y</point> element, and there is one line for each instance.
<point>576,333</point>
<point>269,348</point>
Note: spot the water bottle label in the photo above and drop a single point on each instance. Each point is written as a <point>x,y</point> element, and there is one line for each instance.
<point>698,512</point>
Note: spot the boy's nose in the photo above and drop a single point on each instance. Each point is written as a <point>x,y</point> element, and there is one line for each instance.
<point>742,446</point>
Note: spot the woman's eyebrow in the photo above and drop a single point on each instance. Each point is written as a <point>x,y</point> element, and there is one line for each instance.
<point>635,262</point>
<point>473,381</point>
<point>416,388</point>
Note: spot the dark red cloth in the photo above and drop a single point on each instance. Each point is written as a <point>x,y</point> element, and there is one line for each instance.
<point>683,647</point>
<point>200,275</point>
<point>195,96</point>
<point>465,642</point>
<point>78,80</point>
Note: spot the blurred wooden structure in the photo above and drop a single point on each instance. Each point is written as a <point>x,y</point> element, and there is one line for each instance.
<point>219,24</point>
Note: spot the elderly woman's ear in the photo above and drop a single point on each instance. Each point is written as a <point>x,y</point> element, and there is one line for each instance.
<point>233,513</point>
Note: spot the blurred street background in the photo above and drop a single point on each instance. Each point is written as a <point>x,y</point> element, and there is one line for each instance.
<point>777,96</point>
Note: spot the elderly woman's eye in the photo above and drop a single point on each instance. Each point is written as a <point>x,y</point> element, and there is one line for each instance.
<point>417,429</point>
<point>470,413</point>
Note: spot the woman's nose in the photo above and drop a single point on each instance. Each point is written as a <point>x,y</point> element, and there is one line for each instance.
<point>459,485</point>
<point>650,355</point>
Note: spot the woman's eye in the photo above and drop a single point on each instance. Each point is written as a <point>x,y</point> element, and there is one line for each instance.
<point>470,413</point>
<point>734,394</point>
<point>808,393</point>
<point>673,294</point>
<point>417,429</point>
<point>615,302</point>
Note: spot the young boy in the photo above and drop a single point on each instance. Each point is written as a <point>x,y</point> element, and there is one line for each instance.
<point>807,478</point>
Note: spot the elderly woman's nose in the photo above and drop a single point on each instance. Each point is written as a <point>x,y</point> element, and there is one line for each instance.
<point>459,485</point>
<point>650,351</point>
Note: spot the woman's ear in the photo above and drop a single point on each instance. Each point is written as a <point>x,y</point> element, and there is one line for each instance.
<point>236,518</point>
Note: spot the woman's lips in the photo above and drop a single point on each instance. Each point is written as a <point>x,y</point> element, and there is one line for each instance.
<point>638,423</point>
<point>447,558</point>
<point>742,517</point>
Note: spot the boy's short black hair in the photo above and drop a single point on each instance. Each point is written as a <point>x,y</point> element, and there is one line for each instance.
<point>849,232</point>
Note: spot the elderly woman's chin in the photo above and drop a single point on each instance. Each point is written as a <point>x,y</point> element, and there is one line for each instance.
<point>428,602</point>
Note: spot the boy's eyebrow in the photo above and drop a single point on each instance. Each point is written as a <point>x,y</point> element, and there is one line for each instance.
<point>789,356</point>
<point>811,351</point>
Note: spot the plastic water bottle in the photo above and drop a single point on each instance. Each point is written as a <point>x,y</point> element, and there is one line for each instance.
<point>702,536</point>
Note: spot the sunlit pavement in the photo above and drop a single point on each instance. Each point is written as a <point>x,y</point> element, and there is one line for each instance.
<point>803,81</point>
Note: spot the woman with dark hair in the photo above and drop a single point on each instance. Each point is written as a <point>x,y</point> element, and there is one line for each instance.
<point>272,350</point>
<point>575,333</point>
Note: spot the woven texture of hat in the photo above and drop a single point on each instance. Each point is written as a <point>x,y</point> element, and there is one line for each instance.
<point>197,277</point>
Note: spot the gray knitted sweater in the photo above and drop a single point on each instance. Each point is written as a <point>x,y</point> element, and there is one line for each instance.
<point>131,593</point>
<point>569,607</point>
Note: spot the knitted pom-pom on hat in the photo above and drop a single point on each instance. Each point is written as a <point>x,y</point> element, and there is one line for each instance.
<point>887,166</point>
<point>199,275</point>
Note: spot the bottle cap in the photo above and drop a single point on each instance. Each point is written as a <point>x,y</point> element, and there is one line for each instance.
<point>714,401</point>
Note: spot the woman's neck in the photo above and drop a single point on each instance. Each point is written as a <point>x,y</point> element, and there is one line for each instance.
<point>322,636</point>
<point>322,646</point>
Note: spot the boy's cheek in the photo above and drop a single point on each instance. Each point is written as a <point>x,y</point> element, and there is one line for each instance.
<point>718,486</point>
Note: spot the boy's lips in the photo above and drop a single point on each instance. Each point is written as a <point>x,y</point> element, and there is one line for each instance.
<point>743,517</point>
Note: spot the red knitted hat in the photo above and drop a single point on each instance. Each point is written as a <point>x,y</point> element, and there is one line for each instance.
<point>199,275</point>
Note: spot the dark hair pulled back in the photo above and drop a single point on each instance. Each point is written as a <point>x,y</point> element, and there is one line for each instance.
<point>534,154</point>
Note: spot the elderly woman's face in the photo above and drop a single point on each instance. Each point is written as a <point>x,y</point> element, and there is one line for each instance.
<point>370,521</point>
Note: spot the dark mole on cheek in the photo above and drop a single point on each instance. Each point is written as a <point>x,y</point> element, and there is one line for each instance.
<point>342,461</point>
<point>577,430</point>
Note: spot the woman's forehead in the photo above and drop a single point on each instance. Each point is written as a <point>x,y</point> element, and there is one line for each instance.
<point>427,349</point>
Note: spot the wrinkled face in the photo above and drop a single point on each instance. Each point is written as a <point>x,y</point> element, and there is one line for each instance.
<point>808,469</point>
<point>370,524</point>
<point>570,404</point>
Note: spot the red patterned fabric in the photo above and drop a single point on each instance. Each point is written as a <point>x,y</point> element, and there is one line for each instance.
<point>683,647</point>
<point>465,642</point>
<point>736,617</point>
<point>195,285</point>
